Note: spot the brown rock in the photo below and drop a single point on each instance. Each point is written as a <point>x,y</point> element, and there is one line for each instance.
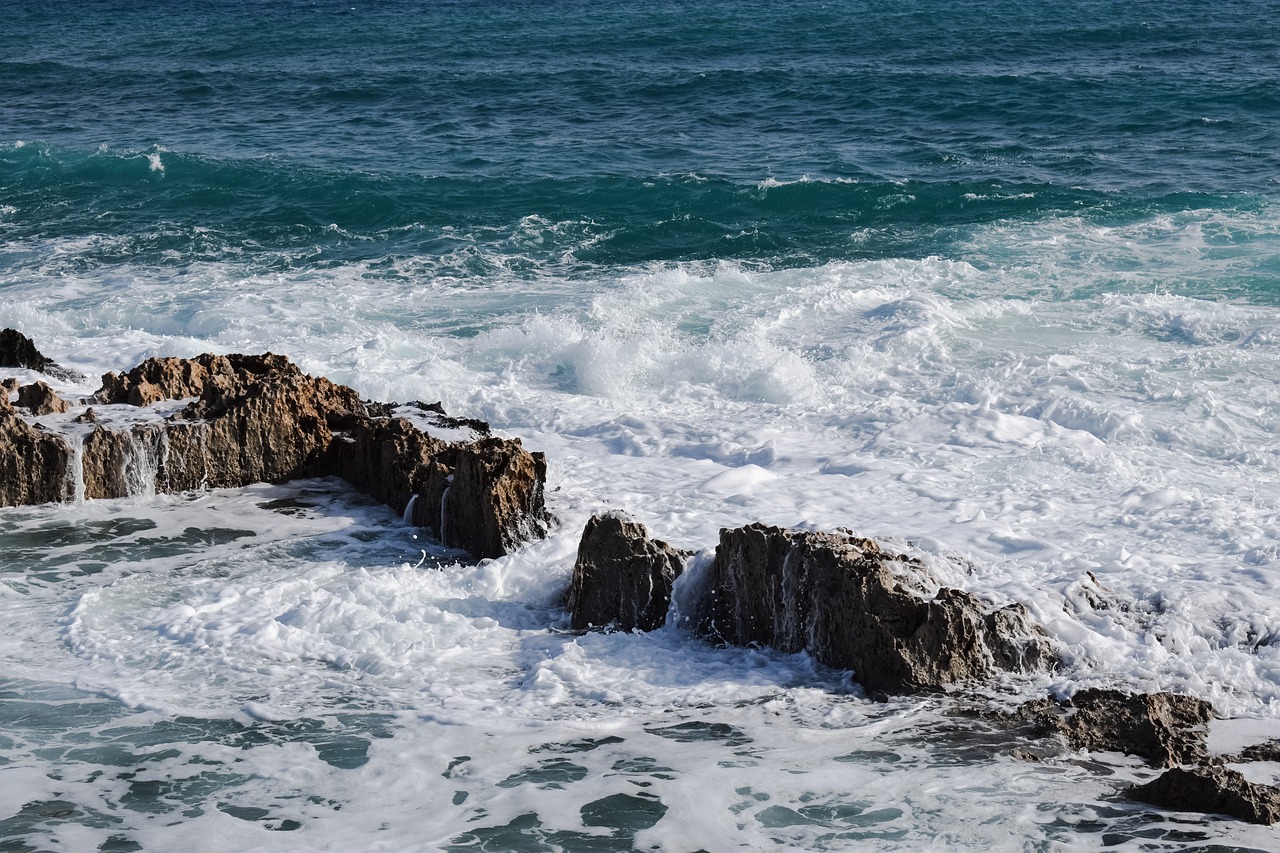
<point>622,577</point>
<point>1164,728</point>
<point>260,419</point>
<point>1265,751</point>
<point>40,399</point>
<point>854,606</point>
<point>1211,789</point>
<point>179,378</point>
<point>33,463</point>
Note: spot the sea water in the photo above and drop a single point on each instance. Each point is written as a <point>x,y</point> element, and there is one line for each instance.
<point>996,282</point>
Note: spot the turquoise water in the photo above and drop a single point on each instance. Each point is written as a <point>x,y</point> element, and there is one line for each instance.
<point>305,134</point>
<point>998,281</point>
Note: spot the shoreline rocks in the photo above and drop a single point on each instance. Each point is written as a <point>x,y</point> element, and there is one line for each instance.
<point>1165,729</point>
<point>259,418</point>
<point>855,606</point>
<point>1211,789</point>
<point>622,578</point>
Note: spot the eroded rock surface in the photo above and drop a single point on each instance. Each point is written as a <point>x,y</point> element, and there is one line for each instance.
<point>33,461</point>
<point>853,605</point>
<point>1166,729</point>
<point>622,577</point>
<point>1211,789</point>
<point>259,418</point>
<point>40,399</point>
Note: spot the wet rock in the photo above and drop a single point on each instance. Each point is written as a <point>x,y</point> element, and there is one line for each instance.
<point>1211,789</point>
<point>88,416</point>
<point>8,385</point>
<point>853,605</point>
<point>17,350</point>
<point>40,399</point>
<point>258,418</point>
<point>1265,751</point>
<point>622,577</point>
<point>1166,729</point>
<point>33,462</point>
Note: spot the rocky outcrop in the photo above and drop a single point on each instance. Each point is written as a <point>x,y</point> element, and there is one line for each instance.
<point>1166,729</point>
<point>1211,789</point>
<point>33,461</point>
<point>17,350</point>
<point>259,418</point>
<point>622,578</point>
<point>855,606</point>
<point>40,399</point>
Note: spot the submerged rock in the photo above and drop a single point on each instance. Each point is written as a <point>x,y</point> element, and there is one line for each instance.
<point>853,605</point>
<point>1211,789</point>
<point>259,418</point>
<point>622,577</point>
<point>1166,729</point>
<point>17,350</point>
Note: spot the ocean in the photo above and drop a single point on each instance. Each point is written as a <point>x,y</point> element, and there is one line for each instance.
<point>995,282</point>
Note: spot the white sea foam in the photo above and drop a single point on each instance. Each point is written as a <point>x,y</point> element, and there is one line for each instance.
<point>1106,456</point>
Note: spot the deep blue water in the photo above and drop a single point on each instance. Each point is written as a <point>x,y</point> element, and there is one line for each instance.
<point>315,133</point>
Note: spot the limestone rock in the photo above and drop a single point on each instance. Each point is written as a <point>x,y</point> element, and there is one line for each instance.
<point>854,606</point>
<point>178,378</point>
<point>40,399</point>
<point>1166,729</point>
<point>33,462</point>
<point>622,577</point>
<point>1265,751</point>
<point>1211,789</point>
<point>258,418</point>
<point>17,350</point>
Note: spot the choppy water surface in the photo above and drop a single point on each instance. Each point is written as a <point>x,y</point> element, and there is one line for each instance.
<point>1000,283</point>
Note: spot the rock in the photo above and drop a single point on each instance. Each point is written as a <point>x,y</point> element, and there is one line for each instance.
<point>1212,789</point>
<point>33,462</point>
<point>486,496</point>
<point>1166,729</point>
<point>17,350</point>
<point>9,384</point>
<point>854,606</point>
<point>178,378</point>
<point>88,416</point>
<point>622,577</point>
<point>258,418</point>
<point>1265,751</point>
<point>40,399</point>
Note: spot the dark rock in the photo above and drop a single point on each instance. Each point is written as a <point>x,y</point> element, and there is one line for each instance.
<point>17,350</point>
<point>8,385</point>
<point>854,606</point>
<point>40,399</point>
<point>1266,751</point>
<point>1211,789</point>
<point>1166,729</point>
<point>622,577</point>
<point>258,418</point>
<point>441,418</point>
<point>88,416</point>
